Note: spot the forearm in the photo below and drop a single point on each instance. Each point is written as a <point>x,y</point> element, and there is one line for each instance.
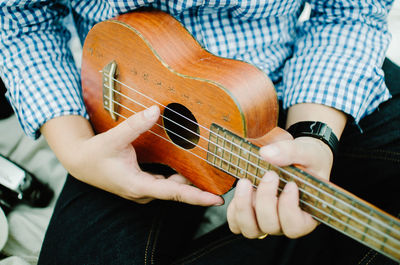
<point>108,160</point>
<point>316,112</point>
<point>65,135</point>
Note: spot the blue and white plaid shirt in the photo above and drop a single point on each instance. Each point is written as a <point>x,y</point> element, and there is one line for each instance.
<point>334,58</point>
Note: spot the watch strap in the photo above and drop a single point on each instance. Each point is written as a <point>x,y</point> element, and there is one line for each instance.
<point>317,130</point>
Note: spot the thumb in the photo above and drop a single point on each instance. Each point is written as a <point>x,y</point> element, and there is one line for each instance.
<point>282,153</point>
<point>130,129</point>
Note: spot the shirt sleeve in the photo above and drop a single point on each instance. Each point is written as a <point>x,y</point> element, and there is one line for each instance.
<point>36,64</point>
<point>337,57</point>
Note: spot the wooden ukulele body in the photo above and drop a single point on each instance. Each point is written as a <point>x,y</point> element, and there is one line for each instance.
<point>216,113</point>
<point>156,56</point>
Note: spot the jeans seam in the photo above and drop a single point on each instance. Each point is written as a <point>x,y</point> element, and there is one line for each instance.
<point>372,258</point>
<point>205,250</point>
<point>157,233</point>
<point>355,155</point>
<point>371,252</point>
<point>147,246</point>
<point>148,243</point>
<point>365,256</point>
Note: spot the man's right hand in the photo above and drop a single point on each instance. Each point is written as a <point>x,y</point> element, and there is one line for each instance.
<point>108,160</point>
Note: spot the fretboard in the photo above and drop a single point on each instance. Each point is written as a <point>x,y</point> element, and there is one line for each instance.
<point>325,201</point>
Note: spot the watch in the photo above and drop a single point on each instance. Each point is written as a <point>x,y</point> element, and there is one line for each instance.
<point>317,130</point>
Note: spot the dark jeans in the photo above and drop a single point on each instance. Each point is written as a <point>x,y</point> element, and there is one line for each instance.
<point>90,226</point>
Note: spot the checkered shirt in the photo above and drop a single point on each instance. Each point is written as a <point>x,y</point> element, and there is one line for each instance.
<point>334,58</point>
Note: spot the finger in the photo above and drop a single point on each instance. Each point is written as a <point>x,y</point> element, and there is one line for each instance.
<point>166,189</point>
<point>179,179</point>
<point>267,204</point>
<point>301,151</point>
<point>243,210</point>
<point>158,176</point>
<point>310,153</point>
<point>294,221</point>
<point>230,216</point>
<point>282,153</point>
<point>275,135</point>
<point>143,200</point>
<point>128,130</point>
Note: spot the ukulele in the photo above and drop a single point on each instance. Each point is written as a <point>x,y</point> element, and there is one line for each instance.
<point>211,126</point>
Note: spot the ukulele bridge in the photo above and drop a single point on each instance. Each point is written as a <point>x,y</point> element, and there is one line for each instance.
<point>109,89</point>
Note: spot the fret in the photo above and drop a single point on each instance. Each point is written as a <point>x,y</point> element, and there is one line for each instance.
<point>218,151</point>
<point>256,181</point>
<point>326,202</point>
<point>236,157</point>
<point>378,233</point>
<point>265,167</point>
<point>247,154</point>
<point>224,160</point>
<point>228,152</point>
<point>242,161</point>
<point>282,184</point>
<point>366,229</point>
<point>392,232</point>
<point>358,224</point>
<point>318,195</point>
<point>387,232</point>
<point>228,147</point>
<point>212,148</point>
<point>305,192</point>
<point>252,162</point>
<point>348,218</point>
<point>335,217</point>
<point>331,212</point>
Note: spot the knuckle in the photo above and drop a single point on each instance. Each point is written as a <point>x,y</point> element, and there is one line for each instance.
<point>177,197</point>
<point>270,227</point>
<point>251,234</point>
<point>240,207</point>
<point>293,232</point>
<point>229,211</point>
<point>233,227</point>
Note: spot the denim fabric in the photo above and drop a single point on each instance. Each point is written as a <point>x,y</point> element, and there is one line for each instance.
<point>90,226</point>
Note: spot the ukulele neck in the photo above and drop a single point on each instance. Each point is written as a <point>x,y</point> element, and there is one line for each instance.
<point>328,203</point>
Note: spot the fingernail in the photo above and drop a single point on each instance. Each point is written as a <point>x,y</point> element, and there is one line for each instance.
<point>269,151</point>
<point>222,202</point>
<point>151,112</point>
<point>289,187</point>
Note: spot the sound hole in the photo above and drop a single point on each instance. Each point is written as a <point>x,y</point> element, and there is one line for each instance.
<point>181,126</point>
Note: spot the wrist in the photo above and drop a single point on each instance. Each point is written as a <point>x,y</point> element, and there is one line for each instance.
<point>323,155</point>
<point>317,130</point>
<point>66,136</point>
<point>334,118</point>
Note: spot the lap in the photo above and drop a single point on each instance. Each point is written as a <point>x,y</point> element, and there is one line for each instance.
<point>90,226</point>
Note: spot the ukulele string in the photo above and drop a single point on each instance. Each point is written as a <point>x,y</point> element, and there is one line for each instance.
<point>245,150</point>
<point>238,146</point>
<point>230,164</point>
<point>304,202</point>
